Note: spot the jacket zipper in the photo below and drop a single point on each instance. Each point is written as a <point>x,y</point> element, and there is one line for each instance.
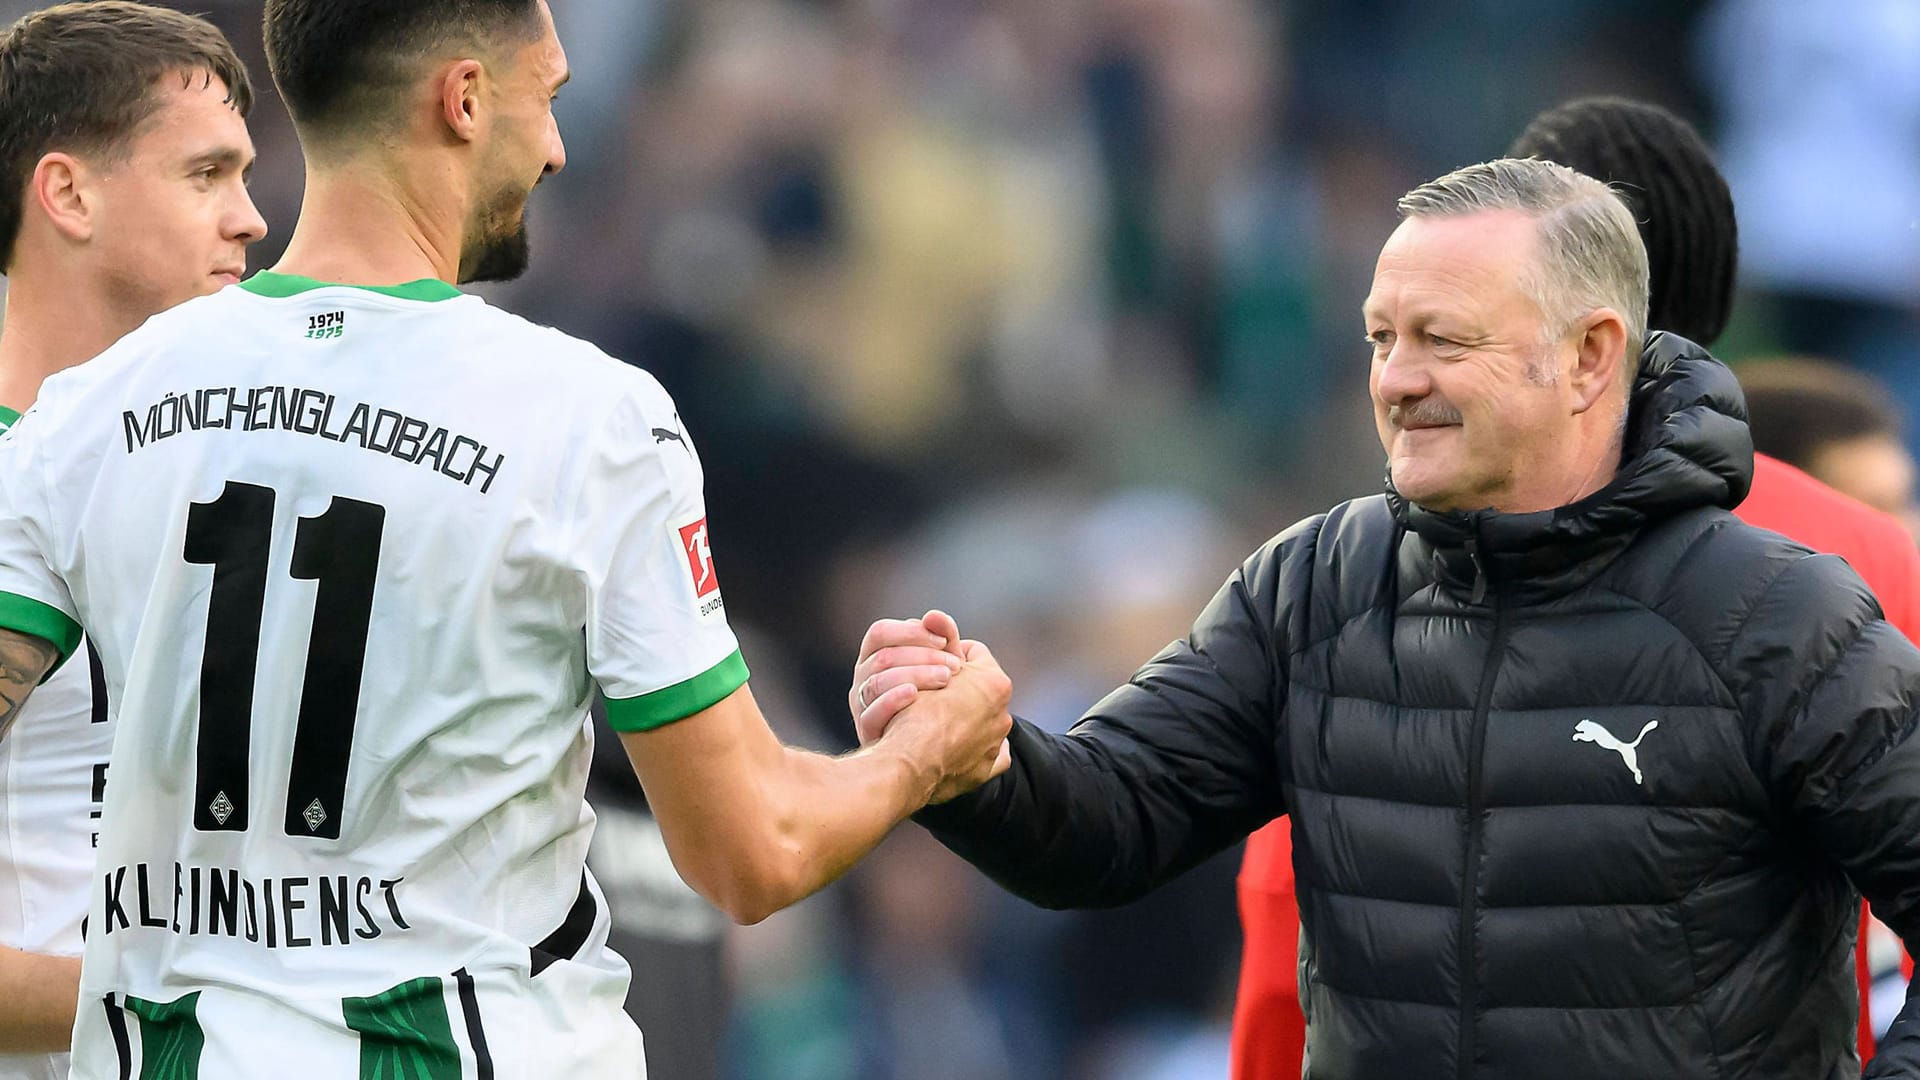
<point>1470,878</point>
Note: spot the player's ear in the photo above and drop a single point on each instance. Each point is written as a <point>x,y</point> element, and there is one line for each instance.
<point>64,189</point>
<point>460,98</point>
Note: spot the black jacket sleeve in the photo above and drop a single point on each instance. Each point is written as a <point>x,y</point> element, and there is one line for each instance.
<point>1837,747</point>
<point>1174,766</point>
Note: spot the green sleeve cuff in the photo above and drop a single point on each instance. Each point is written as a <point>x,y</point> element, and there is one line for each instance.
<point>668,704</point>
<point>26,616</point>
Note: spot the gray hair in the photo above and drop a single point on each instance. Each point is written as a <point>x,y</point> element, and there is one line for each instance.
<point>1591,255</point>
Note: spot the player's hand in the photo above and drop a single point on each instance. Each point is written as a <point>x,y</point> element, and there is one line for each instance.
<point>961,729</point>
<point>995,723</point>
<point>899,658</point>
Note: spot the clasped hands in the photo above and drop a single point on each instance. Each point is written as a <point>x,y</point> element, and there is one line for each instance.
<point>920,681</point>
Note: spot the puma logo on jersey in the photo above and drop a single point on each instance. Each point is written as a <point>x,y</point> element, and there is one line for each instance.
<point>663,435</point>
<point>1589,731</point>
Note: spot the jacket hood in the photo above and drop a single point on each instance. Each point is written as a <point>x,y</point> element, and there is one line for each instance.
<point>1687,447</point>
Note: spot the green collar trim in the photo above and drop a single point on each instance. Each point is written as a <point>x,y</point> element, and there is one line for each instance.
<point>279,286</point>
<point>8,418</point>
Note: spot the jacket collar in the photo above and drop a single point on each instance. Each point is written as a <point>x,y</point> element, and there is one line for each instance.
<point>1687,447</point>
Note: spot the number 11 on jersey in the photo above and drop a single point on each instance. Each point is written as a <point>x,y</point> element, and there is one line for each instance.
<point>340,550</point>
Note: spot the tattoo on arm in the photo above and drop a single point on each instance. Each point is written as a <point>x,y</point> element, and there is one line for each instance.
<point>24,661</point>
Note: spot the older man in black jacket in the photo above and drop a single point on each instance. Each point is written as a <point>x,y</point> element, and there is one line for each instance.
<point>1584,773</point>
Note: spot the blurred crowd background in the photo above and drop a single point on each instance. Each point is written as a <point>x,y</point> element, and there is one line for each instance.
<point>1047,313</point>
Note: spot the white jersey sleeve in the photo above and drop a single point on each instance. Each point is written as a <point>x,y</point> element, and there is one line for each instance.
<point>657,636</point>
<point>53,762</point>
<point>33,598</point>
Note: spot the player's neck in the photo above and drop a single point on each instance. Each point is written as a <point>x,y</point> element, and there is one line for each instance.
<point>51,325</point>
<point>361,225</point>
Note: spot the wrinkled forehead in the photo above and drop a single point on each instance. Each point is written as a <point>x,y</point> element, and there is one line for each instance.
<point>1485,259</point>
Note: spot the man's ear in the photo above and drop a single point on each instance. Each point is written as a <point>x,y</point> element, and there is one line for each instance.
<point>1600,357</point>
<point>62,187</point>
<point>460,98</point>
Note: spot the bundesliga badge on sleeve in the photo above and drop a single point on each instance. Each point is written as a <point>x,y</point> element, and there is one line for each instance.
<point>699,555</point>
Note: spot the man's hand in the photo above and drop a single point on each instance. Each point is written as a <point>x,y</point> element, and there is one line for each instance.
<point>961,729</point>
<point>899,658</point>
<point>904,661</point>
<point>755,826</point>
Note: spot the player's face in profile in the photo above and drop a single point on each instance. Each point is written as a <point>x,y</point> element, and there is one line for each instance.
<point>526,149</point>
<point>174,216</point>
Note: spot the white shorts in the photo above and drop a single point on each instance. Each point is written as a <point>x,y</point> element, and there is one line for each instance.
<point>498,1024</point>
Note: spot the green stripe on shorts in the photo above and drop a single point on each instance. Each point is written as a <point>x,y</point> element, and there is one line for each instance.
<point>405,1033</point>
<point>170,1037</point>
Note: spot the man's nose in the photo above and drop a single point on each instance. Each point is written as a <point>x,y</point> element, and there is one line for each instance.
<point>245,225</point>
<point>1402,375</point>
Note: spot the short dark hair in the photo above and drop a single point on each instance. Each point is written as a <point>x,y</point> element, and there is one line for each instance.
<point>1797,407</point>
<point>80,77</point>
<point>1685,211</point>
<point>340,63</point>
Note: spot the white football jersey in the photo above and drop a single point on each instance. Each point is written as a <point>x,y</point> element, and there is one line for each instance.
<point>53,770</point>
<point>354,561</point>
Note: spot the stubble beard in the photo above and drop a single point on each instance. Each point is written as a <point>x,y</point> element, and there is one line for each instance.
<point>498,248</point>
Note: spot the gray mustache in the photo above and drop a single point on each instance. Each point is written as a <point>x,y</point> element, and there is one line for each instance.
<point>1426,411</point>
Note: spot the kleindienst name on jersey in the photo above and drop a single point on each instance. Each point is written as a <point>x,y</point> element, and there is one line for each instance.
<point>289,912</point>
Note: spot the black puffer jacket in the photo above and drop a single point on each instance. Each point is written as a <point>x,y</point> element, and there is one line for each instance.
<point>1577,795</point>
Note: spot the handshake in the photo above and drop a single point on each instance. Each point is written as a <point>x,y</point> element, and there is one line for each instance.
<point>944,699</point>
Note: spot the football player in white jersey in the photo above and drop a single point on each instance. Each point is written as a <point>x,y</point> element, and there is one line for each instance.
<point>356,550</point>
<point>123,148</point>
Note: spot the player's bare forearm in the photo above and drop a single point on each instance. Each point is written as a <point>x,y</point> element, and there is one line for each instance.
<point>24,661</point>
<point>38,996</point>
<point>839,809</point>
<point>842,807</point>
<point>755,826</point>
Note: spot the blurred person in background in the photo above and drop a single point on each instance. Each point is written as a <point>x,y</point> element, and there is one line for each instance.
<point>1840,426</point>
<point>1665,171</point>
<point>1496,699</point>
<point>926,1014</point>
<point>1820,135</point>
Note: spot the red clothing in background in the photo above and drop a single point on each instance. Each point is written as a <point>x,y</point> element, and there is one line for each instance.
<point>1269,1032</point>
<point>1877,546</point>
